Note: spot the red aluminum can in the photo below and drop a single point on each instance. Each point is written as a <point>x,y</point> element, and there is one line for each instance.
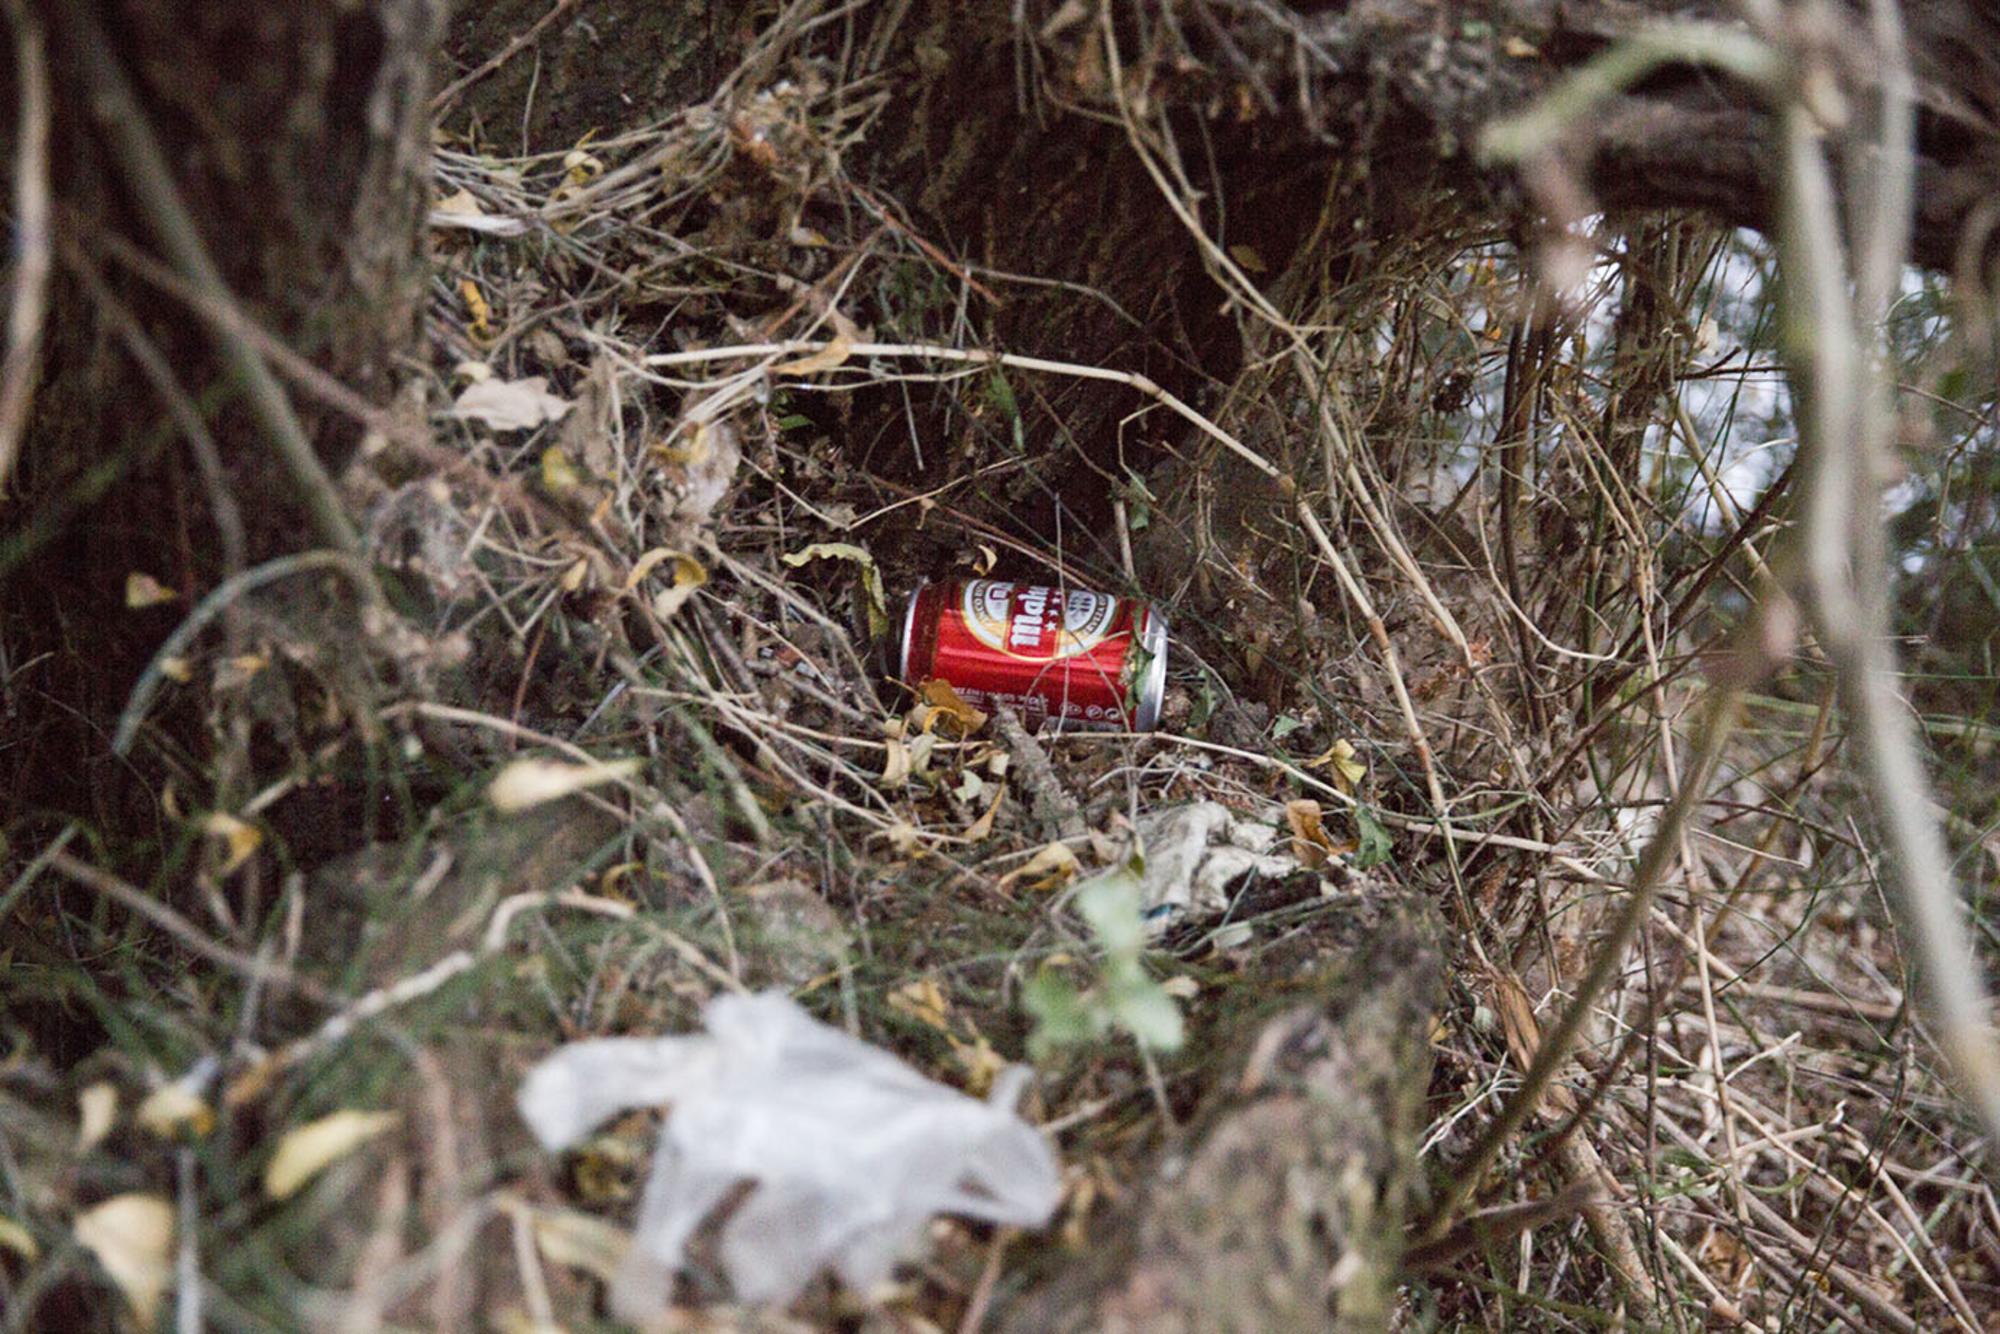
<point>1082,658</point>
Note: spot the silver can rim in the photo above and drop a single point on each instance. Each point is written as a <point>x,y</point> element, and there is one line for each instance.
<point>1151,686</point>
<point>909,624</point>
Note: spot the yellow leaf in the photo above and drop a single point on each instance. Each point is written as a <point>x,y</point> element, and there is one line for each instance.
<point>15,1238</point>
<point>96,1110</point>
<point>530,782</point>
<point>924,1001</point>
<point>980,1061</point>
<point>303,1153</point>
<point>481,313</point>
<point>689,574</point>
<point>1052,866</point>
<point>178,670</point>
<point>560,476</point>
<point>581,1241</point>
<point>947,705</point>
<point>1520,48</point>
<point>574,576</point>
<point>987,559</point>
<point>239,836</point>
<point>132,1237</point>
<point>1347,768</point>
<point>173,1108</point>
<point>143,590</point>
<point>871,577</point>
<point>833,354</point>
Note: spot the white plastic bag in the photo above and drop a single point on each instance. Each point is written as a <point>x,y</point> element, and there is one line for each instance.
<point>851,1151</point>
<point>1197,856</point>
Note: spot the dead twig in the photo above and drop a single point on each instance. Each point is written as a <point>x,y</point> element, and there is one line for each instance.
<point>28,297</point>
<point>146,173</point>
<point>450,91</point>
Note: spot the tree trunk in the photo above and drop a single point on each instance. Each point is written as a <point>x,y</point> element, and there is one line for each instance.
<point>295,146</point>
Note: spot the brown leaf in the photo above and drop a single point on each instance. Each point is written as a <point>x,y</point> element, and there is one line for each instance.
<point>1309,841</point>
<point>947,705</point>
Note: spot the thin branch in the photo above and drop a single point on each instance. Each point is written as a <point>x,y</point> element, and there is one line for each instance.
<point>141,699</point>
<point>1724,702</point>
<point>451,90</point>
<point>1846,417</point>
<point>142,904</point>
<point>28,298</point>
<point>151,181</point>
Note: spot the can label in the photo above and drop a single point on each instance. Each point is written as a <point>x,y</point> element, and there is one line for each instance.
<point>1079,657</point>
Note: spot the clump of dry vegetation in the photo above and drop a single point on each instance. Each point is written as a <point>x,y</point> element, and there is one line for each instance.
<point>1453,557</point>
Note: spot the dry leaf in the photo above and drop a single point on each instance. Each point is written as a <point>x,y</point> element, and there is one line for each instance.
<point>580,1241</point>
<point>96,1112</point>
<point>833,354</point>
<point>178,670</point>
<point>979,829</point>
<point>481,330</point>
<point>1342,759</point>
<point>15,1238</point>
<point>947,705</point>
<point>460,205</point>
<point>530,782</point>
<point>1524,1040</point>
<point>580,167</point>
<point>1309,841</point>
<point>237,672</point>
<point>1248,257</point>
<point>924,1001</point>
<point>240,837</point>
<point>1052,867</point>
<point>871,577</point>
<point>895,765</point>
<point>303,1153</point>
<point>510,405</point>
<point>132,1237</point>
<point>1520,48</point>
<point>980,1061</point>
<point>174,1108</point>
<point>143,590</point>
<point>689,575</point>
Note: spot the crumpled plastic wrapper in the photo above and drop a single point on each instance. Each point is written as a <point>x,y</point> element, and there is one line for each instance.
<point>1197,856</point>
<point>851,1151</point>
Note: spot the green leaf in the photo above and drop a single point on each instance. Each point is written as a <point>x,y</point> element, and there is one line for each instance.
<point>1110,904</point>
<point>1148,1013</point>
<point>1062,1017</point>
<point>1376,844</point>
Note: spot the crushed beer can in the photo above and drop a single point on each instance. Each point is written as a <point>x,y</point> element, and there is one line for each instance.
<point>1071,656</point>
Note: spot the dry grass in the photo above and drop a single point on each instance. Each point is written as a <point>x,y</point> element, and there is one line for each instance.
<point>1518,532</point>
